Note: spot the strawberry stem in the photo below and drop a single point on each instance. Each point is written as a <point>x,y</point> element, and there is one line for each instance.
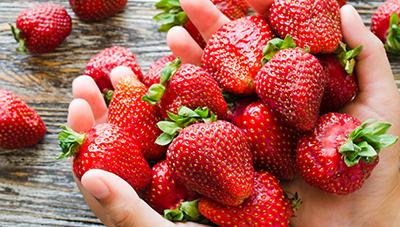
<point>156,91</point>
<point>366,141</point>
<point>347,57</point>
<point>187,211</point>
<point>108,96</point>
<point>294,199</point>
<point>393,36</point>
<point>20,39</point>
<point>184,118</point>
<point>275,45</point>
<point>69,141</point>
<point>172,15</point>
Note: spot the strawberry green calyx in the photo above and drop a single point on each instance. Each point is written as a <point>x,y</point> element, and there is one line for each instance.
<point>366,141</point>
<point>187,211</point>
<point>177,122</point>
<point>294,199</point>
<point>20,39</point>
<point>347,57</point>
<point>108,96</point>
<point>172,14</point>
<point>156,91</point>
<point>275,45</point>
<point>70,142</point>
<point>393,36</point>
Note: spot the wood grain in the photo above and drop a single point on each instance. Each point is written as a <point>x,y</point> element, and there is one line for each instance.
<point>34,188</point>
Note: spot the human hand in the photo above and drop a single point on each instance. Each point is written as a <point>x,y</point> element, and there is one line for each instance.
<point>378,98</point>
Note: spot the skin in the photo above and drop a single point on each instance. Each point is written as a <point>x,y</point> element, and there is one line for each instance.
<point>375,204</point>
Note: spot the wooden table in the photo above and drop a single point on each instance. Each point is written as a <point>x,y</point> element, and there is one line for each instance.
<point>34,188</point>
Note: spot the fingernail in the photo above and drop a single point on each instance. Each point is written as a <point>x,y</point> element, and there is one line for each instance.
<point>96,187</point>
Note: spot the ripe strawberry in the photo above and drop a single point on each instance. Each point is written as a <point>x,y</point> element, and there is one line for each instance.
<point>341,86</point>
<point>173,15</point>
<point>105,147</point>
<point>313,24</point>
<point>153,75</point>
<point>42,29</point>
<point>273,144</point>
<point>292,84</point>
<point>20,125</point>
<point>213,159</point>
<point>233,54</point>
<point>342,2</point>
<point>187,85</point>
<point>385,24</point>
<point>101,65</point>
<point>267,206</point>
<point>340,154</point>
<point>136,117</point>
<point>164,192</point>
<point>95,10</point>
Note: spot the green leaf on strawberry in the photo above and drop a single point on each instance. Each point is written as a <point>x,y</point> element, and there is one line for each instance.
<point>172,14</point>
<point>393,35</point>
<point>366,141</point>
<point>70,141</point>
<point>275,45</point>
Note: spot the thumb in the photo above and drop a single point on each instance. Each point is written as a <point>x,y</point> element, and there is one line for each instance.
<point>373,67</point>
<point>120,200</point>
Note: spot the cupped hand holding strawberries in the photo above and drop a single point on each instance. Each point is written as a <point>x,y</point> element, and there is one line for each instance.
<point>116,202</point>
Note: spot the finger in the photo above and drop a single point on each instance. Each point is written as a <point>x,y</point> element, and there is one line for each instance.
<point>94,205</point>
<point>261,6</point>
<point>205,16</point>
<point>119,73</point>
<point>80,116</point>
<point>85,88</point>
<point>120,201</point>
<point>183,45</point>
<point>373,67</point>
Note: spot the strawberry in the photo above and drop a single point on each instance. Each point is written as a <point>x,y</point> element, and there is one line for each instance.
<point>273,144</point>
<point>267,206</point>
<point>186,85</point>
<point>385,24</point>
<point>153,75</point>
<point>313,24</point>
<point>42,29</point>
<point>173,15</point>
<point>95,10</point>
<point>341,86</point>
<point>164,192</point>
<point>20,125</point>
<point>233,54</point>
<point>342,2</point>
<point>213,159</point>
<point>101,65</point>
<point>136,117</point>
<point>291,83</point>
<point>340,154</point>
<point>105,147</point>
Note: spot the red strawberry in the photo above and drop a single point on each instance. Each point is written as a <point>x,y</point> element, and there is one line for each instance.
<point>101,65</point>
<point>292,84</point>
<point>340,154</point>
<point>267,206</point>
<point>173,15</point>
<point>153,75</point>
<point>315,24</point>
<point>273,144</point>
<point>105,147</point>
<point>341,85</point>
<point>385,24</point>
<point>164,192</point>
<point>42,29</point>
<point>187,85</point>
<point>213,159</point>
<point>20,125</point>
<point>342,2</point>
<point>136,117</point>
<point>234,53</point>
<point>94,10</point>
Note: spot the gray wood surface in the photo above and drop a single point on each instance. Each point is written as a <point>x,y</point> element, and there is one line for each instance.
<point>34,188</point>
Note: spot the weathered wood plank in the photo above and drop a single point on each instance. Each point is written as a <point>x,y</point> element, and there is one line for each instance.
<point>34,188</point>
